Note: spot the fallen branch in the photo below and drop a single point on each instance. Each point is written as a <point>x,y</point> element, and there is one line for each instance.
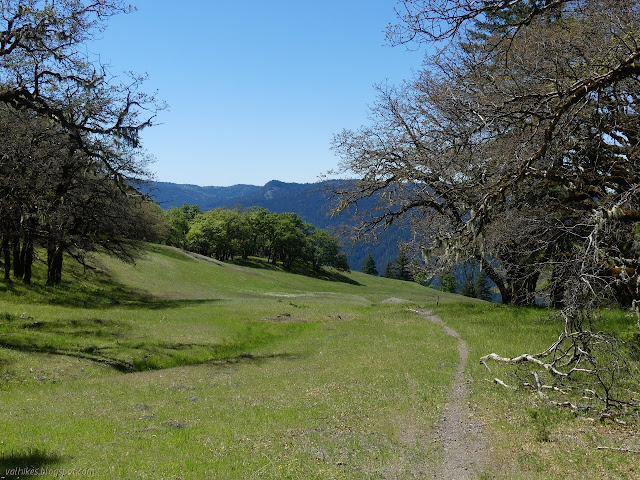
<point>567,404</point>
<point>485,364</point>
<point>538,384</point>
<point>555,389</point>
<point>500,382</point>
<point>525,358</point>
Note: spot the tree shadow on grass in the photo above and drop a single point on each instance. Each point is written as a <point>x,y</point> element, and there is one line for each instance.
<point>106,294</point>
<point>160,356</point>
<point>332,276</point>
<point>255,358</point>
<point>116,344</point>
<point>329,275</point>
<point>26,465</point>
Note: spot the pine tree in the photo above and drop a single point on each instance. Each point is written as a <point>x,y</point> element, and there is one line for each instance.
<point>448,283</point>
<point>481,286</point>
<point>476,285</point>
<point>469,287</point>
<point>401,266</point>
<point>388,270</point>
<point>369,265</point>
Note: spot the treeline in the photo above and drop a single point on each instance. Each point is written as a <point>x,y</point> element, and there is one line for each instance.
<point>225,234</point>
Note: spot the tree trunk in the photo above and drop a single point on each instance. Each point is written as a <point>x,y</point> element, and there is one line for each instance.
<point>531,286</point>
<point>497,279</point>
<point>27,259</point>
<point>522,284</point>
<point>6,250</point>
<point>54,263</point>
<point>18,265</point>
<point>556,295</point>
<point>58,264</point>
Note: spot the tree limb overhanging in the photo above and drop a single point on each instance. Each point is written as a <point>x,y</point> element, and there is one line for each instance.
<point>516,146</point>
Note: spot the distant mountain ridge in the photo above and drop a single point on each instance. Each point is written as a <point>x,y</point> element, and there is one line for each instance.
<point>309,200</point>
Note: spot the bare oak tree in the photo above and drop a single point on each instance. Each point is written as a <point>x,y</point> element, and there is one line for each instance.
<point>517,145</point>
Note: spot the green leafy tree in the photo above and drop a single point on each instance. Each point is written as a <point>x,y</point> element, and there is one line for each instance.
<point>179,220</point>
<point>282,237</point>
<point>324,250</point>
<point>289,239</point>
<point>209,234</point>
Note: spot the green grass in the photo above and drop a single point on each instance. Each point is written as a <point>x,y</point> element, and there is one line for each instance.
<point>530,438</point>
<point>179,368</point>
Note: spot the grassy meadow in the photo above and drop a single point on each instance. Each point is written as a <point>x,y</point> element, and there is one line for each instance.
<point>178,368</point>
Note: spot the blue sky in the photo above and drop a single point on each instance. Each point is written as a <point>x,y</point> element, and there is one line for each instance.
<point>256,89</point>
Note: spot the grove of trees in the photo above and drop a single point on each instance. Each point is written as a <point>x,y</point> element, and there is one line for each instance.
<point>225,234</point>
<point>517,146</point>
<point>69,131</point>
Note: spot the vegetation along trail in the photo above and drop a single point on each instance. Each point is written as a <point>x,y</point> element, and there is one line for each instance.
<point>460,433</point>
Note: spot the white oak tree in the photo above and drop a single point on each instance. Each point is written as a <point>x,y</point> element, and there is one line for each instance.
<point>517,145</point>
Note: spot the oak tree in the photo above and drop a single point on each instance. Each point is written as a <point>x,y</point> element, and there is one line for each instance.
<point>71,169</point>
<point>517,145</point>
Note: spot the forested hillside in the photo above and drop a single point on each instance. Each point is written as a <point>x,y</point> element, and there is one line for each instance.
<point>308,200</point>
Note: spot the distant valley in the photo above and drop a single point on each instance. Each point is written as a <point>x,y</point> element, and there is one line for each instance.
<point>309,200</point>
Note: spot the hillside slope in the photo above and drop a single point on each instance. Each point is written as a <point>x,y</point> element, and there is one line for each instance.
<point>217,370</point>
<point>176,367</point>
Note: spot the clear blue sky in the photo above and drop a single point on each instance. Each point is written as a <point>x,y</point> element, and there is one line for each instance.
<point>256,89</point>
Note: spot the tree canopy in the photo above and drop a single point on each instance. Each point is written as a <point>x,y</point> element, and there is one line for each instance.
<point>514,144</point>
<point>517,145</point>
<point>70,131</point>
<point>225,234</point>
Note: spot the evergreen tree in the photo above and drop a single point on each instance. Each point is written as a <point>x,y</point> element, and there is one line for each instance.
<point>448,283</point>
<point>481,286</point>
<point>476,285</point>
<point>469,287</point>
<point>402,267</point>
<point>388,270</point>
<point>369,265</point>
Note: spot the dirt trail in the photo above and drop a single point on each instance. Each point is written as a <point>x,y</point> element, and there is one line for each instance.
<point>459,430</point>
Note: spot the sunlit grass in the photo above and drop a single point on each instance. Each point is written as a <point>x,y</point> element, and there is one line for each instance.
<point>531,439</point>
<point>291,376</point>
<point>179,368</point>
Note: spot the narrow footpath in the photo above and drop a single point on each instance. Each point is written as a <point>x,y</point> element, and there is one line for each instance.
<point>459,430</point>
